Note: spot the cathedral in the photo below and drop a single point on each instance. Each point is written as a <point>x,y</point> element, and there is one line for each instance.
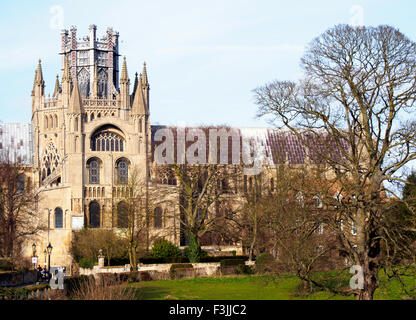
<point>85,138</point>
<point>86,135</point>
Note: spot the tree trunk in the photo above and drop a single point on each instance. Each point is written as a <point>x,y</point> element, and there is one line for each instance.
<point>370,284</point>
<point>253,242</point>
<point>194,248</point>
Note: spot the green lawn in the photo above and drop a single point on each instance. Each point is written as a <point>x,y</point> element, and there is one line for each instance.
<point>255,287</point>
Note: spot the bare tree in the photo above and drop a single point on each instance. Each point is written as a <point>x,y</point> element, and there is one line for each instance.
<point>132,214</point>
<point>348,112</point>
<point>252,217</point>
<point>202,189</point>
<point>19,215</point>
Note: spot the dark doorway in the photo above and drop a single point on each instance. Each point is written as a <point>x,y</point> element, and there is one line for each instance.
<point>94,209</point>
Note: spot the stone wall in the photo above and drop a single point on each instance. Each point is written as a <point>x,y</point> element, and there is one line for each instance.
<point>207,269</point>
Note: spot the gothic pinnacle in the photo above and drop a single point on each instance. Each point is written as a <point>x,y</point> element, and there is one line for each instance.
<point>139,103</point>
<point>75,103</point>
<point>66,77</point>
<point>57,88</point>
<point>145,80</point>
<point>39,75</point>
<point>124,76</point>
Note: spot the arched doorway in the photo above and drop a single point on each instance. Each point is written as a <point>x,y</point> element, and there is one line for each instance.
<point>94,209</point>
<point>122,215</point>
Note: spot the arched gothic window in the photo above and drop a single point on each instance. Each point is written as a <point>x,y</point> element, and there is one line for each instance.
<point>20,184</point>
<point>157,221</point>
<point>122,172</point>
<point>94,170</point>
<point>51,158</point>
<point>59,218</point>
<point>84,82</point>
<point>102,83</point>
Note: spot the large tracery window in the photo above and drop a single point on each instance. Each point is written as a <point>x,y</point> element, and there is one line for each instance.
<point>50,159</point>
<point>107,141</point>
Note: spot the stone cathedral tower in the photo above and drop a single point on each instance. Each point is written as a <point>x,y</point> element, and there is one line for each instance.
<point>87,136</point>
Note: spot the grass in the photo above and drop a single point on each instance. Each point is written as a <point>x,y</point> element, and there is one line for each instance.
<point>256,287</point>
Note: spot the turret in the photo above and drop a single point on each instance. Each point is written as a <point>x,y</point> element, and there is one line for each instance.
<point>57,89</point>
<point>124,86</point>
<point>38,91</point>
<point>146,86</point>
<point>136,83</point>
<point>139,102</point>
<point>66,83</point>
<point>75,104</point>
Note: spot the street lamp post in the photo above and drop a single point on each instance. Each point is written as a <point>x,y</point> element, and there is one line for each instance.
<point>34,255</point>
<point>44,254</point>
<point>49,249</point>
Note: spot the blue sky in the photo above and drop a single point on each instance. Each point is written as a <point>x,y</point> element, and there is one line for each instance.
<point>204,58</point>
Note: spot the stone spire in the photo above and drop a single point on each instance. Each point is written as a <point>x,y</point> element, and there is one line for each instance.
<point>39,83</point>
<point>57,89</point>
<point>136,82</point>
<point>125,86</point>
<point>75,103</point>
<point>145,80</point>
<point>139,103</point>
<point>66,83</point>
<point>124,76</point>
<point>39,75</point>
<point>66,76</point>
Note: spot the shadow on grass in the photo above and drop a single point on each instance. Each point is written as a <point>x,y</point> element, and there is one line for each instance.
<point>152,293</point>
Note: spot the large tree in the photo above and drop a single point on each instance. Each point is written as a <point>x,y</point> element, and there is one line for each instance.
<point>132,215</point>
<point>203,191</point>
<point>353,110</point>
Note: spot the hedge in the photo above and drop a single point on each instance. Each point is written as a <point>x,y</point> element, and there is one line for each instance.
<point>231,262</point>
<point>153,260</point>
<point>10,293</point>
<point>180,266</point>
<point>6,265</point>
